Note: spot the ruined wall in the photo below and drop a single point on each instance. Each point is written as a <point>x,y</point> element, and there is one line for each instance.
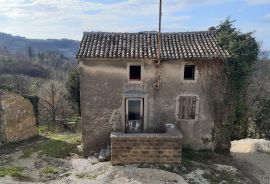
<point>102,85</point>
<point>159,148</point>
<point>17,120</point>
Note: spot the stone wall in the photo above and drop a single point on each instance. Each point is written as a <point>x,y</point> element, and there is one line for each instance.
<point>160,148</point>
<point>102,83</point>
<point>17,119</point>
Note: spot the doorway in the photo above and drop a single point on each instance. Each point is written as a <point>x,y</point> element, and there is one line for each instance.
<point>134,115</point>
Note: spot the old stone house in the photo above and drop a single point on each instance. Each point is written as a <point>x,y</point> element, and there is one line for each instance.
<point>117,76</point>
<point>17,119</point>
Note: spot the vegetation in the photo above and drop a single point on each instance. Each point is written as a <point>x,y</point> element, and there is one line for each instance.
<point>88,176</point>
<point>55,144</point>
<point>15,172</point>
<point>262,118</point>
<point>232,106</point>
<point>52,98</point>
<point>73,88</point>
<point>30,68</point>
<point>258,94</point>
<point>49,170</point>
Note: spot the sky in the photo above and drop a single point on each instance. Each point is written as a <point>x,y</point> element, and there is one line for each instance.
<point>70,18</point>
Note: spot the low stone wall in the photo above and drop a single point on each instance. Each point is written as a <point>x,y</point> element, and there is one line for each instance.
<point>17,119</point>
<point>160,148</point>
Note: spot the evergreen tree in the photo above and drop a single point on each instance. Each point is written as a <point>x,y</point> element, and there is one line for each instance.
<point>73,88</point>
<point>244,50</point>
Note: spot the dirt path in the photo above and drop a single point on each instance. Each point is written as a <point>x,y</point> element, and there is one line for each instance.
<point>54,159</point>
<point>254,155</point>
<point>90,171</point>
<point>257,164</point>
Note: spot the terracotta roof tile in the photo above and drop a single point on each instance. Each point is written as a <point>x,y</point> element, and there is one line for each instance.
<point>144,45</point>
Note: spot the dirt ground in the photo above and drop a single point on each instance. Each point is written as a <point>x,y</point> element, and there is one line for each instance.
<point>254,155</point>
<point>55,159</point>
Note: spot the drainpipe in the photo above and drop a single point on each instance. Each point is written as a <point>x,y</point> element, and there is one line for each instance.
<point>157,62</point>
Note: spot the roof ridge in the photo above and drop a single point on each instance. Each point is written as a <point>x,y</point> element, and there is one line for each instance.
<point>150,32</point>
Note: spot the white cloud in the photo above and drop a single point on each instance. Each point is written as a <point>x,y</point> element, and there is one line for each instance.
<point>69,18</point>
<point>257,2</point>
<point>266,18</point>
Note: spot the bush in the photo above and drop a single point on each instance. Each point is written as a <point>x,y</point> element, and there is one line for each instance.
<point>262,118</point>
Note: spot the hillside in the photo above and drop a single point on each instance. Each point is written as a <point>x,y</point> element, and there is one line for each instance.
<point>14,44</point>
<point>25,63</point>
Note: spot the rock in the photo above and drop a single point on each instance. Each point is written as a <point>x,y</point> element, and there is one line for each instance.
<point>93,160</point>
<point>96,155</point>
<point>80,148</point>
<point>250,146</point>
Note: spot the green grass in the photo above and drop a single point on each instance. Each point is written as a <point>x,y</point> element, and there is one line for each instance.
<point>53,172</point>
<point>57,149</point>
<point>92,177</point>
<point>15,172</point>
<point>45,130</point>
<point>55,145</point>
<point>74,119</point>
<point>49,170</point>
<point>88,176</point>
<point>27,153</point>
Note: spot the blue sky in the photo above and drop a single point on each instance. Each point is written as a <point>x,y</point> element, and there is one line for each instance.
<point>69,18</point>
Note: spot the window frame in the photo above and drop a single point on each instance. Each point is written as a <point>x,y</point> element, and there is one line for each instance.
<point>196,108</point>
<point>182,73</point>
<point>193,72</point>
<point>128,72</point>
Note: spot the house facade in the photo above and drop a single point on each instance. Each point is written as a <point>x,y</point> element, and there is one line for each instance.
<point>117,77</point>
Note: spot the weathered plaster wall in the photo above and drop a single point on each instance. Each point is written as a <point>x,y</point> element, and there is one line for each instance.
<point>101,84</point>
<point>101,95</point>
<point>17,120</point>
<point>197,133</point>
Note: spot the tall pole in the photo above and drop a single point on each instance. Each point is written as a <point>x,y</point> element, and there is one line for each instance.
<point>157,64</point>
<point>160,14</point>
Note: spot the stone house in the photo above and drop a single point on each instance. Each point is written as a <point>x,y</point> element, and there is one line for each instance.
<point>117,76</point>
<point>17,119</point>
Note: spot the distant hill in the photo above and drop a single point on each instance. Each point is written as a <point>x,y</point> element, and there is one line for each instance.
<point>14,44</point>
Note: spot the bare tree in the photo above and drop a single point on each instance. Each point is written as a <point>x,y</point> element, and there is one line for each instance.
<point>258,100</point>
<point>52,97</point>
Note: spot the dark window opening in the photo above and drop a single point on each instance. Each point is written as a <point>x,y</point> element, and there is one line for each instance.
<point>135,72</point>
<point>189,72</point>
<point>134,110</point>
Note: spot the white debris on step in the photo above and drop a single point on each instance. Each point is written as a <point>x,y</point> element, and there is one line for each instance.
<point>108,152</point>
<point>102,155</point>
<point>80,148</point>
<point>250,145</point>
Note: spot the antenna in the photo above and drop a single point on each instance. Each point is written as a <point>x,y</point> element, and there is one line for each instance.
<point>157,63</point>
<point>160,14</point>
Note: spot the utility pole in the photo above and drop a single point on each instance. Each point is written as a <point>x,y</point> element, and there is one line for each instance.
<point>157,63</point>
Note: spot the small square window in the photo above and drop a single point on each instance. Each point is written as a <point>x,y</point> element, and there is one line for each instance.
<point>135,72</point>
<point>189,73</point>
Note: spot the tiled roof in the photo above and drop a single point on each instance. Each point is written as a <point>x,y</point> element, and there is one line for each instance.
<point>144,45</point>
